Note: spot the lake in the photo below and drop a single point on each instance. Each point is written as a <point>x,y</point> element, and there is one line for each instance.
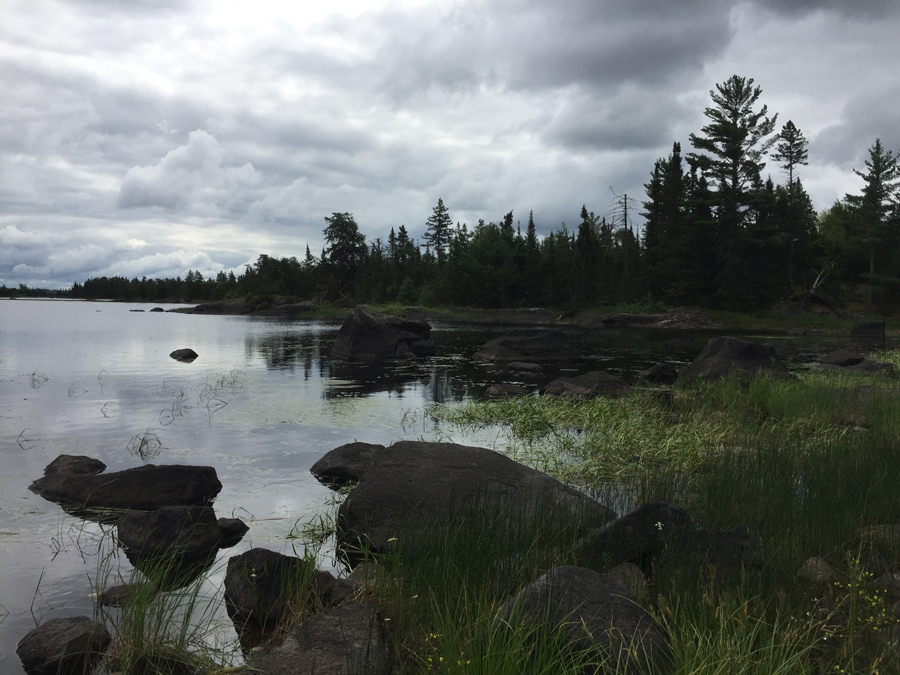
<point>261,404</point>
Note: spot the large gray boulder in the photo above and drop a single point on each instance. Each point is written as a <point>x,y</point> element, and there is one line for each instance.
<point>596,617</point>
<point>371,336</point>
<point>420,483</point>
<point>529,345</point>
<point>346,640</point>
<point>726,356</point>
<point>147,487</point>
<point>589,385</point>
<point>70,646</point>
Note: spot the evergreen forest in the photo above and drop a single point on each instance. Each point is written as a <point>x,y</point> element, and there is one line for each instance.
<point>726,224</point>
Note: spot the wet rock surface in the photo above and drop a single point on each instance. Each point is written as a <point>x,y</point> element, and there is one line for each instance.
<point>70,646</point>
<point>660,373</point>
<point>498,391</point>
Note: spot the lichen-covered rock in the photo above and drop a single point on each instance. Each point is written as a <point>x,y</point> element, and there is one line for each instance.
<point>589,385</point>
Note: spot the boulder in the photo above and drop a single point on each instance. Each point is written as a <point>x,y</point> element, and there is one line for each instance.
<point>361,580</point>
<point>184,355</point>
<point>346,464</point>
<point>660,373</point>
<point>658,527</point>
<point>71,646</point>
<point>75,464</point>
<point>145,487</point>
<point>157,309</point>
<point>589,385</point>
<point>842,358</point>
<point>618,319</point>
<point>419,484</point>
<point>530,346</point>
<point>816,570</point>
<point>263,587</point>
<point>370,336</point>
<point>173,544</point>
<point>496,391</point>
<point>871,331</point>
<point>596,616</point>
<point>522,368</point>
<point>121,595</point>
<point>346,640</point>
<point>724,356</point>
<point>233,530</point>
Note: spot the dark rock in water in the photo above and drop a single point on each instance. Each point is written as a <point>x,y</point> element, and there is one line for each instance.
<point>362,577</point>
<point>724,356</point>
<point>157,309</point>
<point>75,464</point>
<point>145,487</point>
<point>346,464</point>
<point>594,615</point>
<point>496,391</point>
<point>233,530</point>
<point>661,373</point>
<point>422,348</point>
<point>135,310</point>
<point>419,484</point>
<point>261,586</point>
<point>171,545</point>
<point>71,646</point>
<point>644,535</point>
<point>842,357</point>
<point>620,319</point>
<point>590,385</point>
<point>522,368</point>
<point>530,346</point>
<point>184,355</point>
<point>346,640</point>
<point>121,595</point>
<point>873,331</point>
<point>367,336</point>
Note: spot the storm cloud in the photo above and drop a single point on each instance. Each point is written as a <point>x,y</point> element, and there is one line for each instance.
<point>147,139</point>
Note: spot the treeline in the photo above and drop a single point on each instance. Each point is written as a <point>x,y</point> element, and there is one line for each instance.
<point>23,291</point>
<point>715,233</point>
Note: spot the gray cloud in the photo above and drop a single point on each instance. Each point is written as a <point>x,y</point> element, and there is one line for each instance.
<point>150,138</point>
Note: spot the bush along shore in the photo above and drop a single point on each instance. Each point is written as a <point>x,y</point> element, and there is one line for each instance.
<point>737,522</point>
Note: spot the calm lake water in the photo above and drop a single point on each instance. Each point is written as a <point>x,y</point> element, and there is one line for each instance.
<point>261,404</point>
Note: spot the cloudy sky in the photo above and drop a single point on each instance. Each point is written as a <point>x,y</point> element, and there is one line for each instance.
<point>150,137</point>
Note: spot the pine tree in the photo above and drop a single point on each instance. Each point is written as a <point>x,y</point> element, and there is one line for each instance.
<point>791,150</point>
<point>439,232</point>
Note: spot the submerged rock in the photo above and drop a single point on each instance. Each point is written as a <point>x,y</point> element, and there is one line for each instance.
<point>724,356</point>
<point>371,336</point>
<point>70,646</point>
<point>596,616</point>
<point>589,385</point>
<point>147,487</point>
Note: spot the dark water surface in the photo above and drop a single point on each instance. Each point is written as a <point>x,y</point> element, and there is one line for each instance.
<point>261,404</point>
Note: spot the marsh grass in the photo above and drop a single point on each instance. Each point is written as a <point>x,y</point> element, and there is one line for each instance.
<point>161,630</point>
